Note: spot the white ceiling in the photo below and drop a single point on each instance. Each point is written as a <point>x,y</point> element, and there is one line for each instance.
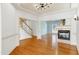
<point>31,8</point>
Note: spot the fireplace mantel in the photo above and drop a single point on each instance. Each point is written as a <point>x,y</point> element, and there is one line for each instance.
<point>66,27</point>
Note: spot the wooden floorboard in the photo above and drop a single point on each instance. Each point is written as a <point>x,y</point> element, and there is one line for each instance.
<point>40,47</point>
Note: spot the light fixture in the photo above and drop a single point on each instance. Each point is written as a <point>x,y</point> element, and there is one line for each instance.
<point>42,6</point>
<point>76,18</point>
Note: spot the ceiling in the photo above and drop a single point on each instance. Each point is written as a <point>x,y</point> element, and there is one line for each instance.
<point>31,8</point>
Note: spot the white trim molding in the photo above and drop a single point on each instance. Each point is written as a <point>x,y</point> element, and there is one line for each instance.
<point>78,49</point>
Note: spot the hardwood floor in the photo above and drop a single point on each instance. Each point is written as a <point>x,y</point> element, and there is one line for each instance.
<point>40,47</point>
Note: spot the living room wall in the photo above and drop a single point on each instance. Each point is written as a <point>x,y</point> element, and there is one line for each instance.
<point>77,29</point>
<point>9,28</point>
<point>0,31</point>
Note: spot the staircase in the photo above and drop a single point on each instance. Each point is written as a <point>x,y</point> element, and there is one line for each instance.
<point>26,27</point>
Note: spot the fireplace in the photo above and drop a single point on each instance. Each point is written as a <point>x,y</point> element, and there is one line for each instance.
<point>64,34</point>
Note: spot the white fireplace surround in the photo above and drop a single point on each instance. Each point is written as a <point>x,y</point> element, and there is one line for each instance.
<point>65,27</point>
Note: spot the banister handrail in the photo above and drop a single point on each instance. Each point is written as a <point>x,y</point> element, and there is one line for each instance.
<point>26,31</point>
<point>25,23</point>
<point>22,20</point>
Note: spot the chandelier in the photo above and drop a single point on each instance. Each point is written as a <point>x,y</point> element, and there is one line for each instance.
<point>42,6</point>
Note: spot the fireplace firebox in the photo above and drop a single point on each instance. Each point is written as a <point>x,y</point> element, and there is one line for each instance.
<point>64,34</point>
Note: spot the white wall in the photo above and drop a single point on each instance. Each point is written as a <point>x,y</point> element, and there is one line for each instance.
<point>61,14</point>
<point>78,36</point>
<point>77,29</point>
<point>68,22</point>
<point>43,27</point>
<point>26,15</point>
<point>49,26</point>
<point>9,28</point>
<point>0,29</point>
<point>34,26</point>
<point>38,29</point>
<point>73,32</point>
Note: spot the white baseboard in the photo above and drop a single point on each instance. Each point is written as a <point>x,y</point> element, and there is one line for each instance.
<point>25,37</point>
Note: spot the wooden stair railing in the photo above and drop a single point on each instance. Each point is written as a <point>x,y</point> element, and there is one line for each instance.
<point>23,21</point>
